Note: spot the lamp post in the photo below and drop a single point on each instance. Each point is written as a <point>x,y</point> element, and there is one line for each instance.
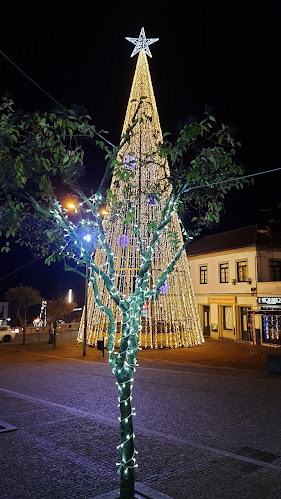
<point>87,238</point>
<point>73,206</point>
<point>86,310</point>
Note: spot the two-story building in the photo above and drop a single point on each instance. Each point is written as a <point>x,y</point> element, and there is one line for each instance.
<point>234,273</point>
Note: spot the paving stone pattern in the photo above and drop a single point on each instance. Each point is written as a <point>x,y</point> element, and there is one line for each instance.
<point>195,416</point>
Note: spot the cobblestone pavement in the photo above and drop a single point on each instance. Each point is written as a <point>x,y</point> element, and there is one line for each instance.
<point>207,422</point>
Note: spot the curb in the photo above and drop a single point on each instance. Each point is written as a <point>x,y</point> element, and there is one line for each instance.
<point>145,491</point>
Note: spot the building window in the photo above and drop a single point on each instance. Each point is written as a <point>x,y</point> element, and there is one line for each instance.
<point>242,271</point>
<point>203,274</point>
<point>224,275</point>
<point>275,270</point>
<point>227,318</point>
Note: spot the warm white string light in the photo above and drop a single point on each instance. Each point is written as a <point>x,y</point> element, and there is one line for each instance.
<point>143,295</point>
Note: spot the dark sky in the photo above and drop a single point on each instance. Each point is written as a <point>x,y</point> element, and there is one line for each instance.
<point>222,54</point>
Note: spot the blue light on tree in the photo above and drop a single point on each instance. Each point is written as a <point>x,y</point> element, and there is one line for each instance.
<point>163,290</point>
<point>152,200</point>
<point>122,241</point>
<point>129,162</point>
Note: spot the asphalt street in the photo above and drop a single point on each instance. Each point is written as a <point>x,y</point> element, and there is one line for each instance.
<point>203,429</point>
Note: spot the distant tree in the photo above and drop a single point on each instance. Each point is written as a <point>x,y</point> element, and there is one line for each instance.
<point>59,309</point>
<point>24,297</point>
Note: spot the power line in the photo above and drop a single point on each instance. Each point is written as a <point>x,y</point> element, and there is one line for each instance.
<point>13,272</point>
<point>32,81</point>
<point>46,93</point>
<point>61,105</point>
<point>191,188</point>
<point>112,145</point>
<point>234,178</point>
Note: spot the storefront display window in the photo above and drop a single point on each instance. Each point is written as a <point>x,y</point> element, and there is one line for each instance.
<point>227,318</point>
<point>271,328</point>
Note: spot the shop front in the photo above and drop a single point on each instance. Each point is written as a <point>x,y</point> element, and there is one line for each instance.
<point>225,326</point>
<point>270,312</point>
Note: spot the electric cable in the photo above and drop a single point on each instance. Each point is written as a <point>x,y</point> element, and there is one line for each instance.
<point>234,178</point>
<point>112,145</point>
<point>48,95</point>
<point>14,271</point>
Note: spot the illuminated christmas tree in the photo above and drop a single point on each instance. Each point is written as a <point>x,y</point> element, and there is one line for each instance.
<point>135,258</point>
<point>139,194</point>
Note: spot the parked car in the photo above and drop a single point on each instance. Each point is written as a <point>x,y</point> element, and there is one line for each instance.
<point>6,334</point>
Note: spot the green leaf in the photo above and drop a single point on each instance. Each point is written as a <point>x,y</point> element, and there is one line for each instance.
<point>152,225</point>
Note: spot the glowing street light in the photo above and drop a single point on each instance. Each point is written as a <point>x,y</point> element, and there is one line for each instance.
<point>104,212</point>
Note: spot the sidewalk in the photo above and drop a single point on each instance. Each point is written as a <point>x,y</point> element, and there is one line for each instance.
<point>214,353</point>
<point>199,436</point>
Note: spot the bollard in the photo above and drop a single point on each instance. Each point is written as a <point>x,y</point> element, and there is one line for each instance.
<point>100,346</point>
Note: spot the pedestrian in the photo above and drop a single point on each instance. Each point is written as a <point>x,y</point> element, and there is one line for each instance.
<point>51,333</point>
<point>55,333</point>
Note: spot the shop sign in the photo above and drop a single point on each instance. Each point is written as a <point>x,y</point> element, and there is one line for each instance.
<point>222,300</point>
<point>269,300</point>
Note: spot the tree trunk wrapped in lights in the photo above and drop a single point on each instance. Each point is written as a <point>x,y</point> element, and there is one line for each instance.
<point>138,194</point>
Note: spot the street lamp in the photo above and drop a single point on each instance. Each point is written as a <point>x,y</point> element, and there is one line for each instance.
<point>104,212</point>
<point>87,238</point>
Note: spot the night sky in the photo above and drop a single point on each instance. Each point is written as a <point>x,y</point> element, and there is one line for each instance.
<point>225,55</point>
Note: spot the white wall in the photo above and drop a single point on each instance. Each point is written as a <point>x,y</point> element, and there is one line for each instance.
<point>212,260</point>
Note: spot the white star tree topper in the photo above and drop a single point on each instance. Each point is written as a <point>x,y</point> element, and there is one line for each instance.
<point>142,43</point>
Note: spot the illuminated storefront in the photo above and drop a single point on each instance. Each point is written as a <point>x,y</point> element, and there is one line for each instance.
<point>235,274</point>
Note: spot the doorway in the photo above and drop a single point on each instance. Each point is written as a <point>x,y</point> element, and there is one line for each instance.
<point>244,323</point>
<point>206,320</point>
<point>227,322</point>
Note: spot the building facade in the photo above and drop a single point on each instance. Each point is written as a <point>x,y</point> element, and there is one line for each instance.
<point>4,312</point>
<point>237,278</point>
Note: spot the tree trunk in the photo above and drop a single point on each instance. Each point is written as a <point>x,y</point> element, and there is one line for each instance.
<point>125,367</point>
<point>127,440</point>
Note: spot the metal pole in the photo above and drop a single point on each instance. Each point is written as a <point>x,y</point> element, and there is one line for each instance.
<point>86,310</point>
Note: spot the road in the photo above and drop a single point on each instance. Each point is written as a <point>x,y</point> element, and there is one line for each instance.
<point>201,431</point>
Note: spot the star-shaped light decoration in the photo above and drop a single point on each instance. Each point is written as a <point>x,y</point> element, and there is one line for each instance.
<point>142,43</point>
